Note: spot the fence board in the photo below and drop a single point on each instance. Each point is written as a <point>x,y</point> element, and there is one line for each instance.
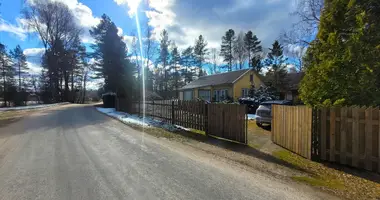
<point>332,134</point>
<point>293,128</point>
<point>343,133</point>
<point>323,133</point>
<point>227,121</point>
<point>348,135</point>
<point>378,144</point>
<point>355,137</point>
<point>368,139</point>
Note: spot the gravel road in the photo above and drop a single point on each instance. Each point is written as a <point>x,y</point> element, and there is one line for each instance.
<point>74,152</point>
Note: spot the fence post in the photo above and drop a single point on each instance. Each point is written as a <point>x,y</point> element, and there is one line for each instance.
<point>139,107</point>
<point>246,123</point>
<point>153,109</point>
<point>206,119</point>
<point>173,120</point>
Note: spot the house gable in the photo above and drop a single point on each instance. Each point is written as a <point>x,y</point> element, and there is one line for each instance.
<point>244,82</point>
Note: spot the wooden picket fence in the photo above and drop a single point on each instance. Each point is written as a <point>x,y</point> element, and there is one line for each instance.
<point>291,128</point>
<point>226,121</point>
<point>351,136</point>
<point>346,135</point>
<point>189,114</point>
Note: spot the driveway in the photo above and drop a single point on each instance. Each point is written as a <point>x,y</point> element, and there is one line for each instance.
<point>74,152</point>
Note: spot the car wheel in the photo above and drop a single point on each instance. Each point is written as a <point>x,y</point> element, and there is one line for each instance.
<point>259,124</point>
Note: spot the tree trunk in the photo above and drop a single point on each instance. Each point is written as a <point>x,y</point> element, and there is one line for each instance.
<point>84,87</point>
<point>19,77</point>
<point>72,87</point>
<point>66,79</point>
<point>4,88</point>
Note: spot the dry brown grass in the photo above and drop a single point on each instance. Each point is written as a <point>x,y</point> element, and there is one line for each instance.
<point>8,117</point>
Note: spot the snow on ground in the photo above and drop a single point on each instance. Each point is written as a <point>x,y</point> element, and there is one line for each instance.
<point>135,119</point>
<point>251,116</point>
<point>31,107</point>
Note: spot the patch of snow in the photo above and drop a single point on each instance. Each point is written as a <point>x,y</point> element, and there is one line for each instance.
<point>251,116</point>
<point>31,107</point>
<point>183,128</point>
<point>135,119</point>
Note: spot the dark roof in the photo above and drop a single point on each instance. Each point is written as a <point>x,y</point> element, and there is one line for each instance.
<point>215,79</point>
<point>294,79</point>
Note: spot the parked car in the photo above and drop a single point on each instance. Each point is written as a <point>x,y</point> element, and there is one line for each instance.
<point>264,111</point>
<point>252,104</point>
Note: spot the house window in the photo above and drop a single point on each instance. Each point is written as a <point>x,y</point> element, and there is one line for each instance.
<point>251,77</point>
<point>216,95</point>
<point>221,95</point>
<point>289,96</point>
<point>204,95</point>
<point>188,95</point>
<point>244,92</point>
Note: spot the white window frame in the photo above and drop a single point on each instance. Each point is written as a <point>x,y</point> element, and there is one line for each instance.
<point>244,92</point>
<point>201,95</point>
<point>221,95</point>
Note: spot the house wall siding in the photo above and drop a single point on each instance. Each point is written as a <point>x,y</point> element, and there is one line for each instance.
<point>195,93</point>
<point>222,87</point>
<point>244,82</point>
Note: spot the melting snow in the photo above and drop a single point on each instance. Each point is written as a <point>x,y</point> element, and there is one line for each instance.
<point>135,119</point>
<point>31,107</point>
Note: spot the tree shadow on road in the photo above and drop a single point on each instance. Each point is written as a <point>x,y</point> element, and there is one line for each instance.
<point>64,117</point>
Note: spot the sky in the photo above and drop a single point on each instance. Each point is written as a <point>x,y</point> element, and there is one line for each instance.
<point>184,20</point>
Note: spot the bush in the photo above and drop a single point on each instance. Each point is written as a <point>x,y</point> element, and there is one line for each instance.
<point>109,100</point>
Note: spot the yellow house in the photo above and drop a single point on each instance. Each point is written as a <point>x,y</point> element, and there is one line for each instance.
<point>217,87</point>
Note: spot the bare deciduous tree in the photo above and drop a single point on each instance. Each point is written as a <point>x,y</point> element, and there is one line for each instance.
<point>53,21</point>
<point>214,61</point>
<point>298,38</point>
<point>57,29</point>
<point>240,52</point>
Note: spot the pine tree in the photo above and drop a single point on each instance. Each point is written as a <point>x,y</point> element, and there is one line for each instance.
<point>187,60</point>
<point>256,63</point>
<point>164,56</point>
<point>7,75</point>
<point>200,52</point>
<point>174,66</point>
<point>113,64</point>
<point>342,65</point>
<point>227,48</point>
<point>252,44</point>
<point>20,65</point>
<point>277,66</point>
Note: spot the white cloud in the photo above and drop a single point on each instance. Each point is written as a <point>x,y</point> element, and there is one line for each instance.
<point>128,41</point>
<point>14,29</point>
<point>186,20</point>
<point>34,52</point>
<point>145,60</point>
<point>119,31</point>
<point>83,16</point>
<point>132,4</point>
<point>34,68</point>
